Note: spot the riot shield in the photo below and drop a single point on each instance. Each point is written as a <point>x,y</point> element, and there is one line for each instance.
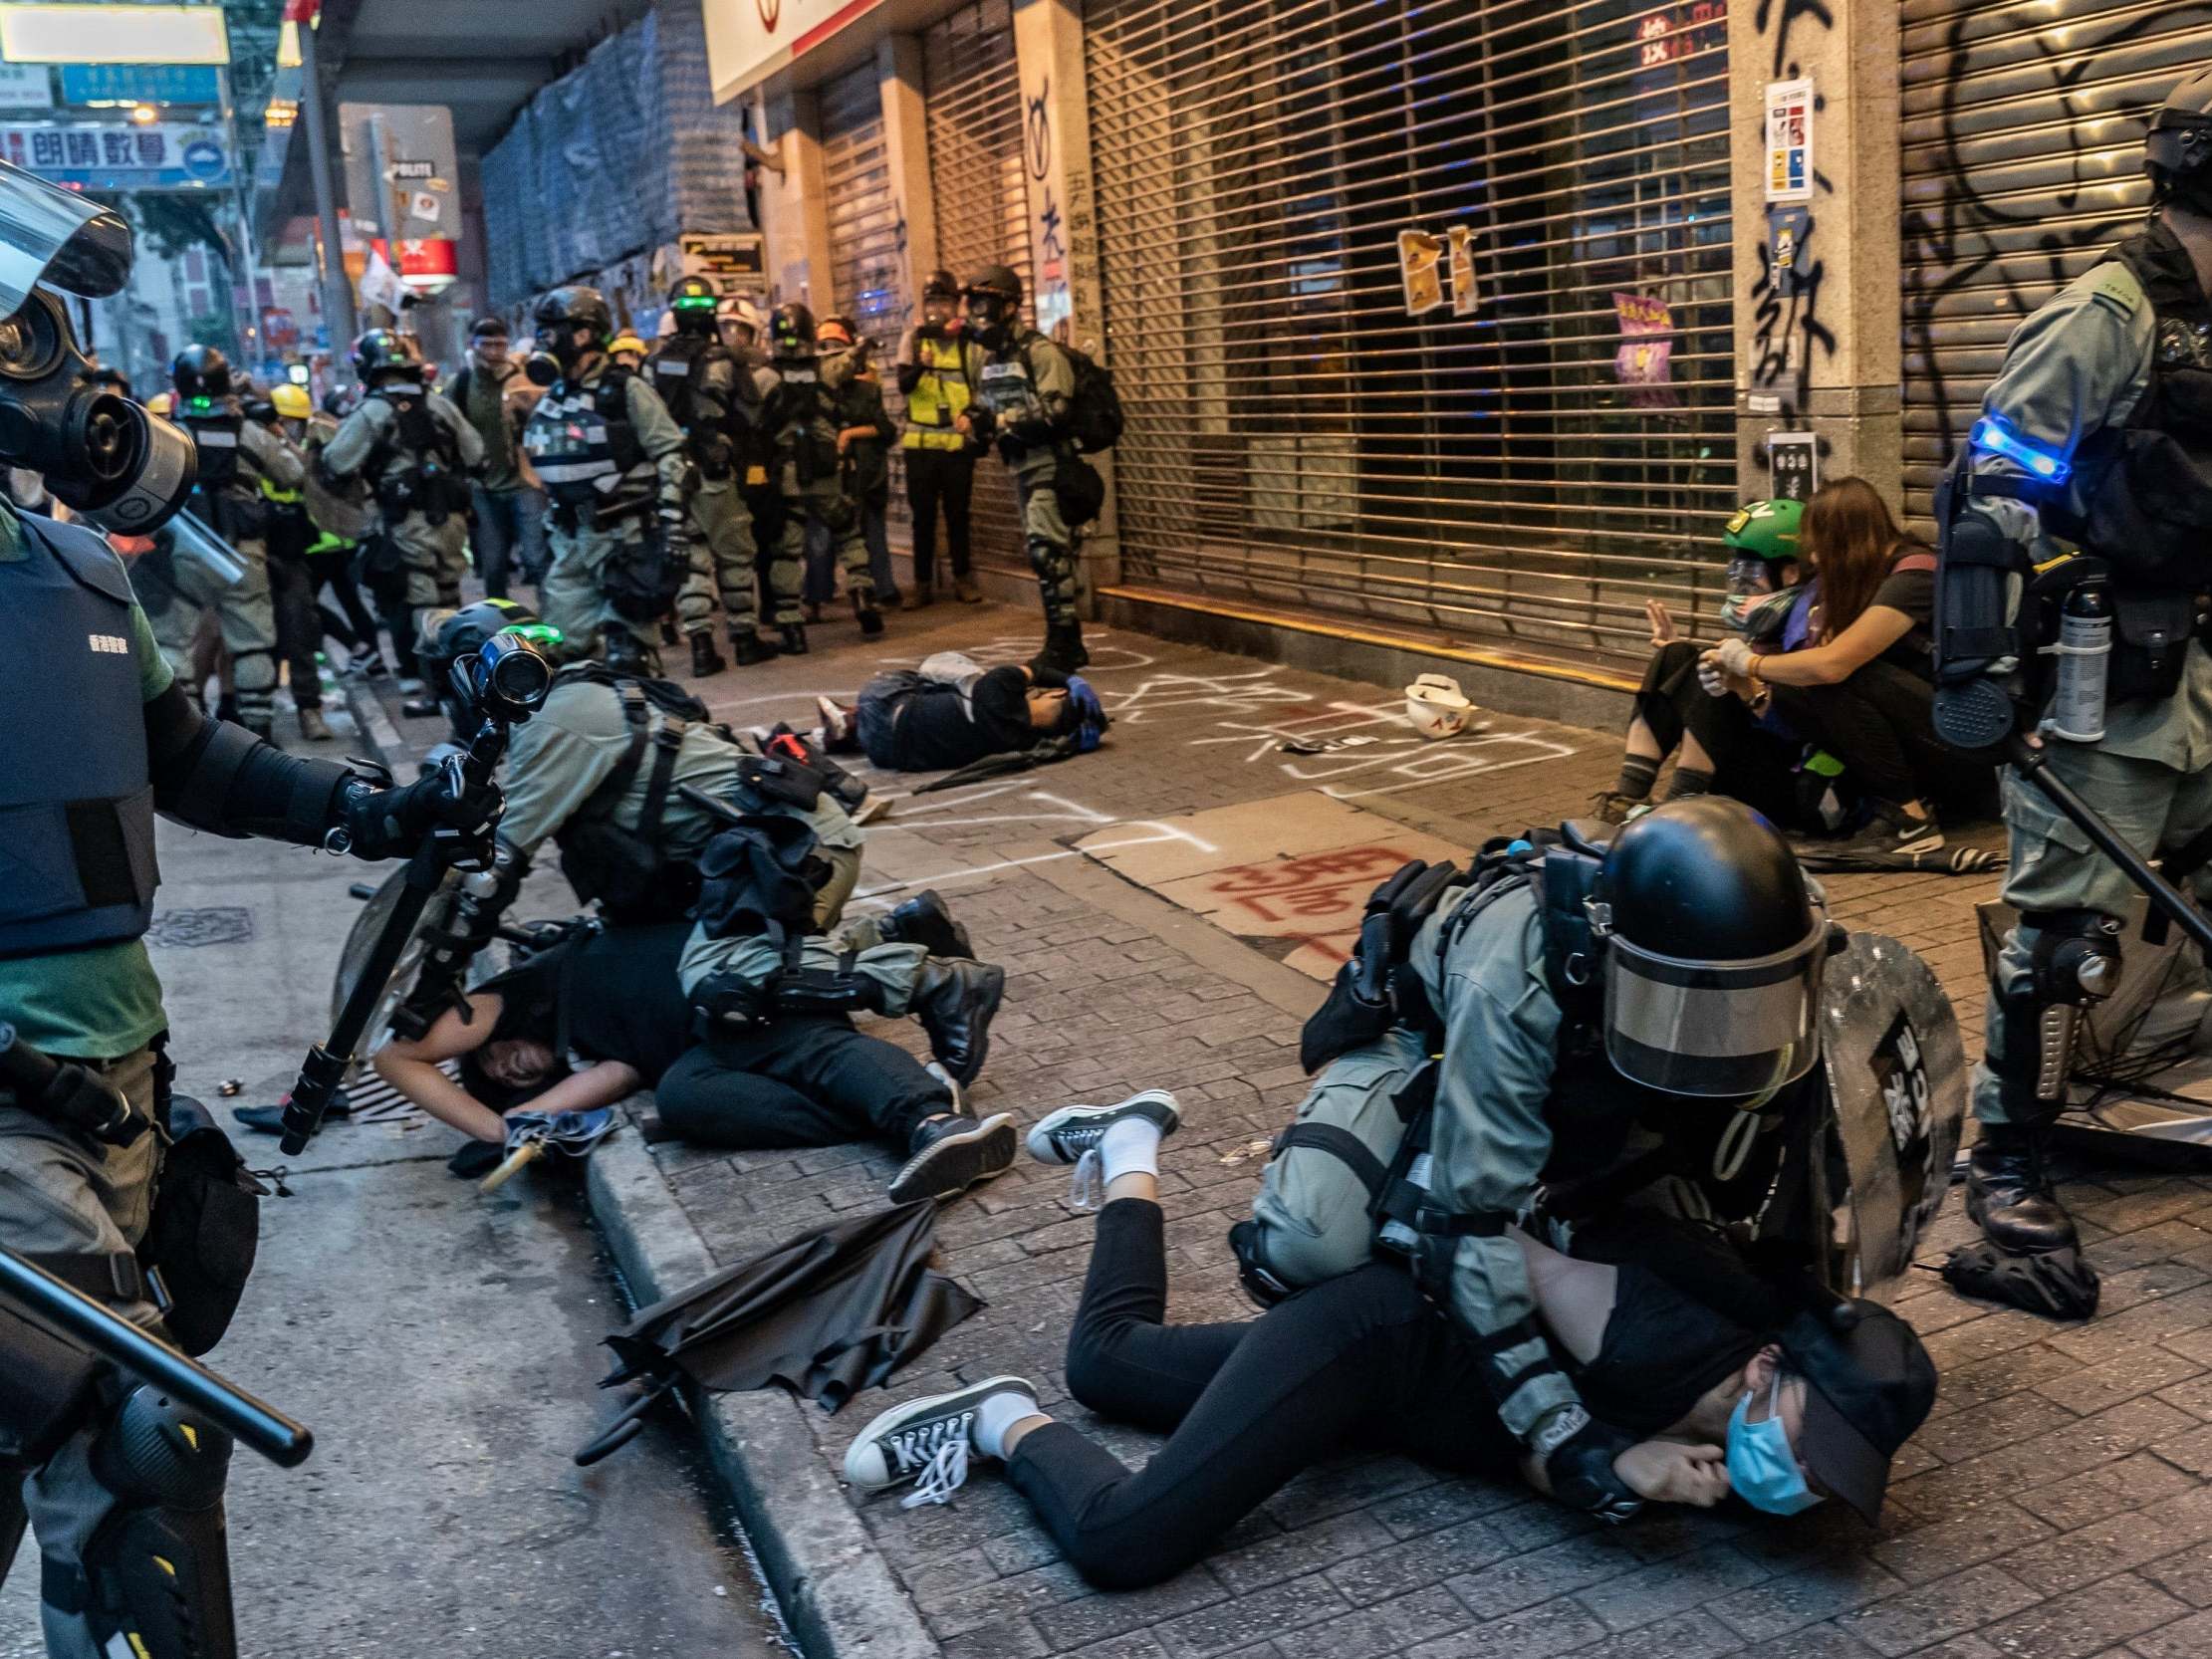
<point>1893,1068</point>
<point>361,940</point>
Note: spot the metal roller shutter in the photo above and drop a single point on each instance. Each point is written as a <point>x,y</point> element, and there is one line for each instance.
<point>980,187</point>
<point>1293,437</point>
<point>2023,161</point>
<point>867,254</point>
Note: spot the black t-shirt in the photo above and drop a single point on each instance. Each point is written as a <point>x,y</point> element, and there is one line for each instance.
<point>613,997</point>
<point>937,729</point>
<point>1661,1351</point>
<point>1911,588</point>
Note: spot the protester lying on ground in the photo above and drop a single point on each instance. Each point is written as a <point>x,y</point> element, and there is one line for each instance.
<point>629,778</point>
<point>950,712</point>
<point>1783,1416</point>
<point>1716,747</point>
<point>1851,671</point>
<point>601,1016</point>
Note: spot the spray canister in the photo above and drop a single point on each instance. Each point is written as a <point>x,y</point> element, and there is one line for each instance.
<point>2085,653</point>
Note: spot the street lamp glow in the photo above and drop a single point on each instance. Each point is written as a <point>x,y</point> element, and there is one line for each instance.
<point>141,113</point>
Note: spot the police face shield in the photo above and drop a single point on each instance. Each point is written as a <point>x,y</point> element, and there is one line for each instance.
<point>100,454</point>
<point>1717,1030</point>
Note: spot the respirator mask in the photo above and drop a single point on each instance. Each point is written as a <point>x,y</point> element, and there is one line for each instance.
<point>100,454</point>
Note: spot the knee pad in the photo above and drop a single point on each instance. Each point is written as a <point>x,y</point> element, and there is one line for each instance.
<point>254,670</point>
<point>2074,964</point>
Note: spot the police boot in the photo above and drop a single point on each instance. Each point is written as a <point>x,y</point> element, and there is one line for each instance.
<point>706,662</point>
<point>865,613</point>
<point>667,632</point>
<point>1062,653</point>
<point>923,921</point>
<point>749,649</point>
<point>313,727</point>
<point>2008,1191</point>
<point>954,1002</point>
<point>795,639</point>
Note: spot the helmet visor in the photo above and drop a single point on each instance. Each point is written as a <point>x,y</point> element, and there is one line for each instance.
<point>1716,1028</point>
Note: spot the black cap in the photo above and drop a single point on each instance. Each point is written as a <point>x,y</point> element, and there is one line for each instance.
<point>1868,1389</point>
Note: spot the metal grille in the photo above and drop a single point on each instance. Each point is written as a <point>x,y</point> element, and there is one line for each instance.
<point>978,182</point>
<point>867,242</point>
<point>2023,161</point>
<point>1293,436</point>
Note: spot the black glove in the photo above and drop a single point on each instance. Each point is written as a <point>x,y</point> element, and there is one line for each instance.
<point>982,418</point>
<point>1581,1472</point>
<point>391,823</point>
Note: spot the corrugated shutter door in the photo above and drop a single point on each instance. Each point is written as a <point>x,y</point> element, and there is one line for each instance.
<point>1294,436</point>
<point>978,183</point>
<point>2023,162</point>
<point>867,254</point>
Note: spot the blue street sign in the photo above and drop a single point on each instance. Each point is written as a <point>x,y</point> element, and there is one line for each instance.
<point>140,84</point>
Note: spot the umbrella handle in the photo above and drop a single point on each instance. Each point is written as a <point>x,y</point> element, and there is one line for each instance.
<point>520,1159</point>
<point>625,1427</point>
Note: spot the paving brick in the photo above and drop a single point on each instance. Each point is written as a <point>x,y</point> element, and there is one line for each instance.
<point>1948,1608</point>
<point>1560,1626</point>
<point>1941,1547</point>
<point>1807,1596</point>
<point>2189,1638</point>
<point>2086,1621</point>
<point>1236,1623</point>
<point>1669,1586</point>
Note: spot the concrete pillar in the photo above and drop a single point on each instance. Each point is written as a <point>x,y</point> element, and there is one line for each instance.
<point>798,220</point>
<point>907,154</point>
<point>1826,359</point>
<point>1062,219</point>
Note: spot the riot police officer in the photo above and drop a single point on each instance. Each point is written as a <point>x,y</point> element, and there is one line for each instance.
<point>415,452</point>
<point>235,457</point>
<point>698,377</point>
<point>1024,387</point>
<point>940,459</point>
<point>809,466</point>
<point>2095,435</point>
<point>123,1484</point>
<point>1604,1018</point>
<point>613,464</point>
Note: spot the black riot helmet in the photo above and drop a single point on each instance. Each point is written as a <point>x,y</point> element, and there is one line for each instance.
<point>384,355</point>
<point>692,301</point>
<point>573,323</point>
<point>791,334</point>
<point>941,285</point>
<point>201,372</point>
<point>994,297</point>
<point>2177,151</point>
<point>1712,943</point>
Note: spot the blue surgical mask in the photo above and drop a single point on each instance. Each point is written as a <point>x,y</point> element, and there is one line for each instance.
<point>1762,1469</point>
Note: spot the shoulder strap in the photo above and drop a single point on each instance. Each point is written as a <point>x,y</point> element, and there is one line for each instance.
<point>1342,1145</point>
<point>609,795</point>
<point>666,742</point>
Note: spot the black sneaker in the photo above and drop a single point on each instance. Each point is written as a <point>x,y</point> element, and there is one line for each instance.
<point>794,635</point>
<point>1890,831</point>
<point>1612,806</point>
<point>865,613</point>
<point>1064,1136</point>
<point>929,1441</point>
<point>952,1154</point>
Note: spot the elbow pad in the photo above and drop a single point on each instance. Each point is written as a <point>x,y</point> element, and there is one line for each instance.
<point>222,779</point>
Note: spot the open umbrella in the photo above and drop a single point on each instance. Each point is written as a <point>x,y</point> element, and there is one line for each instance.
<point>826,1313</point>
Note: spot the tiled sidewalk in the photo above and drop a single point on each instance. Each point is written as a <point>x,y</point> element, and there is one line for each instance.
<point>2056,1505</point>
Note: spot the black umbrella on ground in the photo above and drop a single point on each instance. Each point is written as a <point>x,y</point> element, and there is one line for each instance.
<point>826,1313</point>
<point>998,765</point>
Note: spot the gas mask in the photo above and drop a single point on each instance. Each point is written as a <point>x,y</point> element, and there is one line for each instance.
<point>987,317</point>
<point>102,455</point>
<point>559,352</point>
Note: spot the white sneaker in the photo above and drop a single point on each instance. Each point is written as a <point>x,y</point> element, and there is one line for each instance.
<point>929,1441</point>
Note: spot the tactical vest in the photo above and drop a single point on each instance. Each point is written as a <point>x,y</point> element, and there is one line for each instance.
<point>630,871</point>
<point>805,421</point>
<point>2147,485</point>
<point>1006,386</point>
<point>940,395</point>
<point>582,442</point>
<point>676,371</point>
<point>76,798</point>
<point>216,437</point>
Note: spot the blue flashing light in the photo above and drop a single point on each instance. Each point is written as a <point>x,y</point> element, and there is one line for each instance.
<point>1993,437</point>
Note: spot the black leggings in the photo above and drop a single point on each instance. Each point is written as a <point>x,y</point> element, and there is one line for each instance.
<point>1750,763</point>
<point>939,477</point>
<point>1879,724</point>
<point>798,1082</point>
<point>1361,1361</point>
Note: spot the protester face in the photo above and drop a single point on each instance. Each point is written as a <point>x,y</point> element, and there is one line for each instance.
<point>490,349</point>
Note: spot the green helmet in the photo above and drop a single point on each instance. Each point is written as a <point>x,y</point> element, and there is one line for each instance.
<point>1765,529</point>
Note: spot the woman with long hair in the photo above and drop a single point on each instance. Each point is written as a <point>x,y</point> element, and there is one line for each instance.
<point>1852,673</point>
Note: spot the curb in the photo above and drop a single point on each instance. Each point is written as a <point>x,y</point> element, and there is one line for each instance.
<point>837,1593</point>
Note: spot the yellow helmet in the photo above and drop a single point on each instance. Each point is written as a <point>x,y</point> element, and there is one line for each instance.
<point>626,342</point>
<point>161,403</point>
<point>292,401</point>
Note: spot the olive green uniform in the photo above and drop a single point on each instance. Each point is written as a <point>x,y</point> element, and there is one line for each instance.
<point>1028,388</point>
<point>432,540</point>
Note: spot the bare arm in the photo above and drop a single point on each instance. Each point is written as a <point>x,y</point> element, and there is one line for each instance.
<point>412,1069</point>
<point>1879,627</point>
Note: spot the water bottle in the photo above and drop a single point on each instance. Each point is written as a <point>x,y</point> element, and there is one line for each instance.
<point>2085,653</point>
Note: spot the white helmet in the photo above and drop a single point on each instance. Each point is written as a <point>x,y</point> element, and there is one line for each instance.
<point>740,309</point>
<point>1438,708</point>
<point>667,327</point>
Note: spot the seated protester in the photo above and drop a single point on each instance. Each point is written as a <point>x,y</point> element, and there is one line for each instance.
<point>1716,746</point>
<point>950,712</point>
<point>1853,673</point>
<point>599,1016</point>
<point>1784,1415</point>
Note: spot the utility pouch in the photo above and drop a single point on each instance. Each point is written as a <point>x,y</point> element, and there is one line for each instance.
<point>776,780</point>
<point>381,567</point>
<point>629,878</point>
<point>2150,645</point>
<point>1080,488</point>
<point>2152,515</point>
<point>642,576</point>
<point>815,456</point>
<point>205,1230</point>
<point>47,1391</point>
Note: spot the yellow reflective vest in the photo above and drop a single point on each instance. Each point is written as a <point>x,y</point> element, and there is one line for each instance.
<point>940,393</point>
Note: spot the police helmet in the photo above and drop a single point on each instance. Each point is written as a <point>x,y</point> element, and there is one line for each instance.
<point>575,306</point>
<point>941,285</point>
<point>995,282</point>
<point>2177,151</point>
<point>1712,945</point>
<point>791,331</point>
<point>383,352</point>
<point>201,372</point>
<point>693,302</point>
<point>444,637</point>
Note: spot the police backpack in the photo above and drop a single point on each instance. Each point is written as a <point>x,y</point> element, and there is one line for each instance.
<point>1095,419</point>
